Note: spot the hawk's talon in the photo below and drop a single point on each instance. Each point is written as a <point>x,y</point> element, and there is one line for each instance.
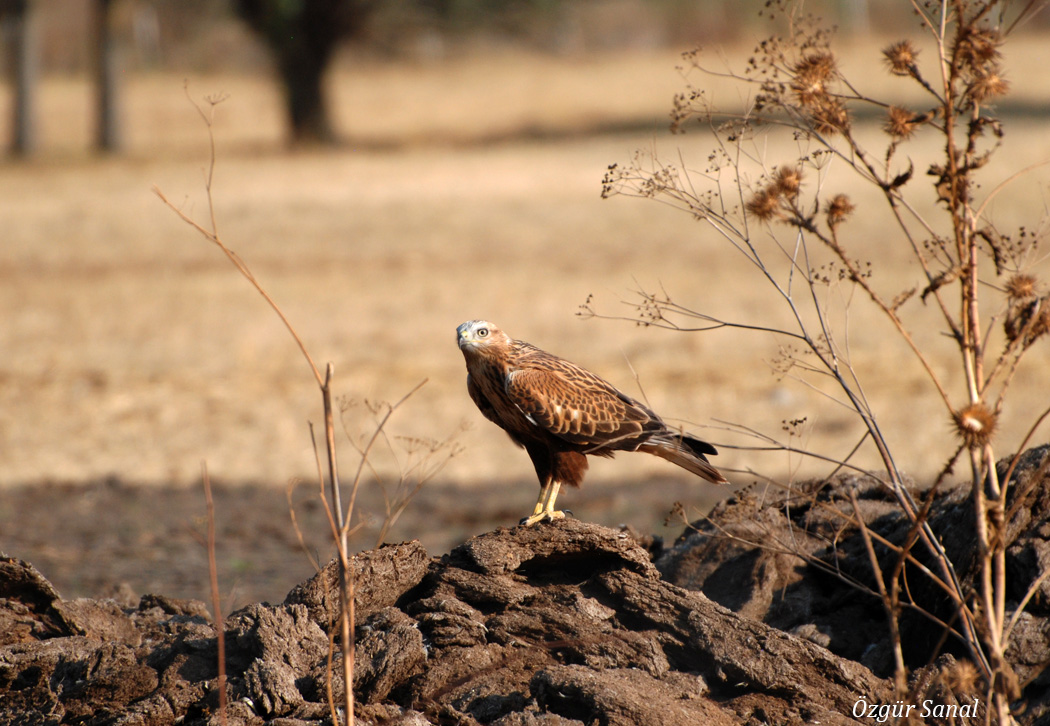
<point>547,515</point>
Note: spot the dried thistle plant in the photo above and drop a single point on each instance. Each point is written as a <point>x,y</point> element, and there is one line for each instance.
<point>971,272</point>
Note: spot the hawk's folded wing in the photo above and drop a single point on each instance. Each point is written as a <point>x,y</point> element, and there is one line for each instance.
<point>578,406</point>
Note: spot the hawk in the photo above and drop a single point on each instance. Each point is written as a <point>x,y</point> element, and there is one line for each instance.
<point>560,413</point>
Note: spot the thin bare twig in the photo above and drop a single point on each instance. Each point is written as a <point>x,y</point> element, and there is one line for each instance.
<point>216,604</point>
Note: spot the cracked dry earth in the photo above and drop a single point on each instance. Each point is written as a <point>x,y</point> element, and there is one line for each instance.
<point>563,623</point>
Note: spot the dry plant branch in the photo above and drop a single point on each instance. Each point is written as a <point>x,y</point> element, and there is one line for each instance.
<point>216,604</point>
<point>889,596</point>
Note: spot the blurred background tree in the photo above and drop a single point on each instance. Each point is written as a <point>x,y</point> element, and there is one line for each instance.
<point>303,35</point>
<point>20,57</point>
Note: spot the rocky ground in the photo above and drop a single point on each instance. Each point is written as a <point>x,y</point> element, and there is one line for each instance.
<point>758,616</point>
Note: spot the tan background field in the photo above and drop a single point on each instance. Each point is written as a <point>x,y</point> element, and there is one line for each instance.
<point>468,188</point>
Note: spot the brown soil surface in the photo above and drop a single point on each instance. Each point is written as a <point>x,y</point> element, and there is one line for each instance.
<point>92,539</point>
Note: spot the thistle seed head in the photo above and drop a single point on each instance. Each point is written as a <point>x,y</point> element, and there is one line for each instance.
<point>900,122</point>
<point>1021,287</point>
<point>812,75</point>
<point>838,209</point>
<point>975,425</point>
<point>830,117</point>
<point>900,57</point>
<point>788,180</point>
<point>764,204</point>
<point>978,47</point>
<point>988,84</point>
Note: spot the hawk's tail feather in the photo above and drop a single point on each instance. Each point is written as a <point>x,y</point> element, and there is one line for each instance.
<point>688,453</point>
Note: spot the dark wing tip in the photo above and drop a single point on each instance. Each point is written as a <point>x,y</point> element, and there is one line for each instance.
<point>698,447</point>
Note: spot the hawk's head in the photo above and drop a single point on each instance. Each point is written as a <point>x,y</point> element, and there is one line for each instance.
<point>480,337</point>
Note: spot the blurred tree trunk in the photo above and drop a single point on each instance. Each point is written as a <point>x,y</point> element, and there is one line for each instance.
<point>303,35</point>
<point>19,39</point>
<point>108,135</point>
<point>302,73</point>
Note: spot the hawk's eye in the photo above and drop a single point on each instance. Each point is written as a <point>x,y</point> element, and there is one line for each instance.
<point>483,332</point>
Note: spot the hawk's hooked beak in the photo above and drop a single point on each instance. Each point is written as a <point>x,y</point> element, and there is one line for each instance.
<point>464,337</point>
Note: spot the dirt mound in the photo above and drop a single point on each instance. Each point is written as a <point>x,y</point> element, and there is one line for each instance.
<point>568,623</point>
<point>796,562</point>
<point>561,624</point>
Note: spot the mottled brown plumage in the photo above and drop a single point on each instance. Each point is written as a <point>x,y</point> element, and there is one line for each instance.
<point>561,412</point>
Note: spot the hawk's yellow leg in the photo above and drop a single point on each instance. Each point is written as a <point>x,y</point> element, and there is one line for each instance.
<point>544,509</point>
<point>540,499</point>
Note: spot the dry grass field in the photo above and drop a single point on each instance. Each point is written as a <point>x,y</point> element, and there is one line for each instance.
<point>466,189</point>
